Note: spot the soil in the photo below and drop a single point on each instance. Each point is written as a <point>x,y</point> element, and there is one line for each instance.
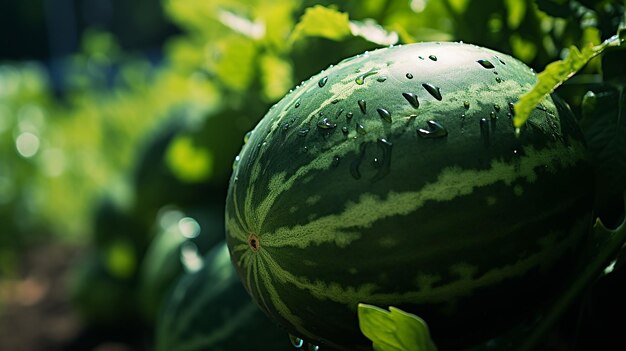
<point>35,311</point>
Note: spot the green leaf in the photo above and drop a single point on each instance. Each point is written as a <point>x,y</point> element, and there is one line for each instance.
<point>373,32</point>
<point>324,22</point>
<point>241,24</point>
<point>516,11</point>
<point>604,126</point>
<point>394,330</point>
<point>276,76</point>
<point>235,65</point>
<point>554,75</point>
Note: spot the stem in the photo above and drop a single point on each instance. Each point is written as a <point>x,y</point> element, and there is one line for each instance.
<point>609,245</point>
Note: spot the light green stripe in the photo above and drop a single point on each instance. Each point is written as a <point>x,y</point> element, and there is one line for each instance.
<point>465,285</point>
<point>452,182</point>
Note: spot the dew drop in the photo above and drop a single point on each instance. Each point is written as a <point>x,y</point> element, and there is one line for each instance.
<point>360,80</point>
<point>435,130</point>
<point>360,129</point>
<point>499,59</point>
<point>498,79</point>
<point>339,113</point>
<point>303,132</point>
<point>344,130</point>
<point>297,104</point>
<point>296,341</point>
<point>381,79</point>
<point>484,131</point>
<point>486,64</point>
<point>326,124</point>
<point>334,101</point>
<point>322,82</point>
<point>409,76</point>
<point>511,108</point>
<point>236,162</point>
<point>492,115</point>
<point>384,114</point>
<point>433,57</point>
<point>383,164</point>
<point>354,165</point>
<point>433,90</point>
<point>349,115</point>
<point>362,105</point>
<point>466,104</point>
<point>247,137</point>
<point>376,163</point>
<point>412,99</point>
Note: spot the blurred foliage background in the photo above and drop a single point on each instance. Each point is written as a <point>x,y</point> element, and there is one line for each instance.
<point>120,120</point>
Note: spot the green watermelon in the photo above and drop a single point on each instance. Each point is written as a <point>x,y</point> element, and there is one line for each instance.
<point>210,310</point>
<point>396,178</point>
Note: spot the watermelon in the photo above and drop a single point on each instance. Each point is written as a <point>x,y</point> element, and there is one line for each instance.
<point>210,310</point>
<point>396,178</point>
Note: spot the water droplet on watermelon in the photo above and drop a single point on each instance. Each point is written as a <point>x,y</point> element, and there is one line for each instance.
<point>354,165</point>
<point>297,104</point>
<point>360,129</point>
<point>383,164</point>
<point>344,130</point>
<point>499,59</point>
<point>362,105</point>
<point>496,107</point>
<point>236,162</point>
<point>433,57</point>
<point>339,113</point>
<point>313,347</point>
<point>420,57</point>
<point>498,79</point>
<point>334,101</point>
<point>349,115</point>
<point>433,90</point>
<point>511,108</point>
<point>361,78</point>
<point>247,137</point>
<point>376,163</point>
<point>285,125</point>
<point>384,114</point>
<point>322,82</point>
<point>492,115</point>
<point>409,76</point>
<point>486,64</point>
<point>326,124</point>
<point>435,130</point>
<point>296,341</point>
<point>466,104</point>
<point>412,99</point>
<point>484,131</point>
<point>381,79</point>
<point>303,132</point>
<point>335,161</point>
